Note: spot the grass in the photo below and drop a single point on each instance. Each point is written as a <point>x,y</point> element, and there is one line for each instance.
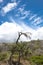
<point>31,58</point>
<point>37,60</point>
<point>4,56</point>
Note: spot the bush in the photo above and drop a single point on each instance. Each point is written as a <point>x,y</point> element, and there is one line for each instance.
<point>37,60</point>
<point>3,56</point>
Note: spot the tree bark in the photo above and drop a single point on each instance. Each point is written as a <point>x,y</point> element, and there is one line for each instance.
<point>19,58</point>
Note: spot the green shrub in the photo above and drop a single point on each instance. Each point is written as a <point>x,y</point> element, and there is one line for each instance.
<point>37,60</point>
<point>3,56</point>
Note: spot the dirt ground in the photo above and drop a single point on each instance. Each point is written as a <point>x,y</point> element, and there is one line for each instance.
<point>24,62</point>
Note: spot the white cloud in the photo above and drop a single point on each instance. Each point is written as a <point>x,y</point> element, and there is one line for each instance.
<point>9,32</point>
<point>22,8</point>
<point>32,17</point>
<point>1,1</point>
<point>37,20</point>
<point>8,7</point>
<point>38,34</point>
<point>24,13</point>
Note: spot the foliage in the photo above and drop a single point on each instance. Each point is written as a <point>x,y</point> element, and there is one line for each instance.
<point>3,56</point>
<point>37,60</point>
<point>28,51</point>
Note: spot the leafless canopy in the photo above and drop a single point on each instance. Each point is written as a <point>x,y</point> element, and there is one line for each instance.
<point>25,34</point>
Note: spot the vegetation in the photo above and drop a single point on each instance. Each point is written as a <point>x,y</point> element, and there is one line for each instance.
<point>37,60</point>
<point>25,53</point>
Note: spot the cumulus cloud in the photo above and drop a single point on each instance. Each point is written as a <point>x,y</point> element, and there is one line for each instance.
<point>9,32</point>
<point>38,34</point>
<point>8,7</point>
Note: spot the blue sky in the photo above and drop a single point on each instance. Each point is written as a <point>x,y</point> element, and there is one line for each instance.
<point>25,13</point>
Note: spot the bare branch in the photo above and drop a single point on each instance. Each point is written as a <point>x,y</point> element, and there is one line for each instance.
<point>25,34</point>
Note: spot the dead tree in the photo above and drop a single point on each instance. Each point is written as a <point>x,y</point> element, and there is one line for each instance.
<point>12,51</point>
<point>26,35</point>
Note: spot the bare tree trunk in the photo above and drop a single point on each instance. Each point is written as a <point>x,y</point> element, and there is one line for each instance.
<point>19,59</point>
<point>12,52</point>
<point>18,38</point>
<point>10,60</point>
